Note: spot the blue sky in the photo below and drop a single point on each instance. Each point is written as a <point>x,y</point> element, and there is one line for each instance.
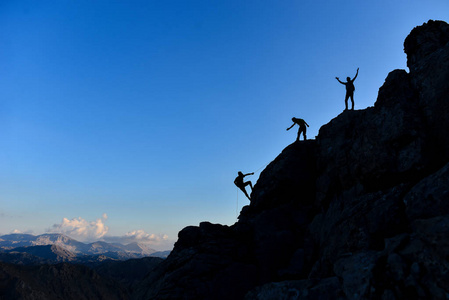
<point>131,118</point>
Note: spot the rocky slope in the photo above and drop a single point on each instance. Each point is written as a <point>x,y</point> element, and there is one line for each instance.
<point>362,212</point>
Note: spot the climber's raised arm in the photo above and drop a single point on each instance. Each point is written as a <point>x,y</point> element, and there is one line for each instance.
<point>339,80</point>
<point>356,74</point>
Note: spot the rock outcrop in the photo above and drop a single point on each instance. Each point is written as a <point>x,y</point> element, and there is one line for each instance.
<point>362,212</point>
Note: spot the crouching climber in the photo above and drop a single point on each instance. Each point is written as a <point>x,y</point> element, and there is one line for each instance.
<point>302,127</point>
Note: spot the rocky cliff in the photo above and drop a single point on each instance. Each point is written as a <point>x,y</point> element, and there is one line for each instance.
<point>362,212</point>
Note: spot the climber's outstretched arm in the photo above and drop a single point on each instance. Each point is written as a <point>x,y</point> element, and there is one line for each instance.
<point>356,74</point>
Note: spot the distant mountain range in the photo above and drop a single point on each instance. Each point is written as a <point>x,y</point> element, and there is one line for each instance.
<point>51,248</point>
<point>55,266</point>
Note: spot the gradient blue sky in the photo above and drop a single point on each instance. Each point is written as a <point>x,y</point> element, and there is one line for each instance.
<point>128,120</point>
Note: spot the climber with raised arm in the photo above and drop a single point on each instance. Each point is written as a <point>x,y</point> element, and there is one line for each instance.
<point>349,89</point>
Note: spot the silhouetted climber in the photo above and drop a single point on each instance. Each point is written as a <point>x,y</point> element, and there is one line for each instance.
<point>241,185</point>
<point>302,127</point>
<point>349,89</point>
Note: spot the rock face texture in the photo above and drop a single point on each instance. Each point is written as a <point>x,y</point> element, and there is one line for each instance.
<point>362,212</point>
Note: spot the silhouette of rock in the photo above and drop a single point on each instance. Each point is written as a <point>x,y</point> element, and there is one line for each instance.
<point>362,212</point>
<point>424,41</point>
<point>427,51</point>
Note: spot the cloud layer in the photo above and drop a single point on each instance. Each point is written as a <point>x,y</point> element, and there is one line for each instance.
<point>137,236</point>
<point>79,228</point>
<point>85,231</point>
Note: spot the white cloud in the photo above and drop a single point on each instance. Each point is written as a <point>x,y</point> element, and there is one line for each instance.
<point>17,231</point>
<point>137,236</point>
<point>79,228</point>
<point>85,231</point>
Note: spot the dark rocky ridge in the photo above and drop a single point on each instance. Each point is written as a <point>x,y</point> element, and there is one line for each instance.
<point>362,212</point>
<point>107,280</point>
<point>61,281</point>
